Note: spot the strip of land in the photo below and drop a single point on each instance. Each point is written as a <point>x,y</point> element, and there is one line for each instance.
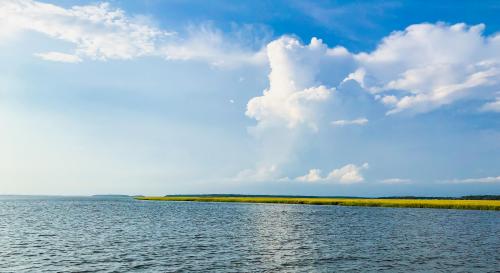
<point>366,202</point>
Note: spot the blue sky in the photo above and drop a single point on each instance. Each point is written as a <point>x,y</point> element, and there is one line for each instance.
<point>272,97</point>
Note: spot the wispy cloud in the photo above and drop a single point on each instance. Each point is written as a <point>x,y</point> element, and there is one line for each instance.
<point>59,57</point>
<point>493,106</point>
<point>101,32</point>
<point>344,122</point>
<point>481,180</point>
<point>97,31</point>
<point>395,181</point>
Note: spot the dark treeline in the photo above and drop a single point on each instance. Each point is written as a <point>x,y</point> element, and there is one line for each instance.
<point>481,197</point>
<point>466,197</point>
<point>259,195</point>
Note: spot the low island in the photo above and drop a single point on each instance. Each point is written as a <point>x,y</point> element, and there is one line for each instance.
<point>449,203</point>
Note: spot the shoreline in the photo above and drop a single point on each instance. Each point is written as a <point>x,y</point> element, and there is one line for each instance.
<point>364,202</point>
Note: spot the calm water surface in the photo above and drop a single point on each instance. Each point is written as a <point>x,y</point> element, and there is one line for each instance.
<point>122,235</point>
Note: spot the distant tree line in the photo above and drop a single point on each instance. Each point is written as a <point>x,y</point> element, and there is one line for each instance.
<point>466,197</point>
<point>481,197</point>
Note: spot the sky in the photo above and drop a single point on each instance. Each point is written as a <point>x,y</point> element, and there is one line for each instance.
<point>337,98</point>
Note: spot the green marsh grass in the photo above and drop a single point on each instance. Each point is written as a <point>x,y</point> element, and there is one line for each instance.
<point>366,202</point>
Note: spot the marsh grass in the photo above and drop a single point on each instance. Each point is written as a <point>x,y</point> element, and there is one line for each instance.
<point>366,202</point>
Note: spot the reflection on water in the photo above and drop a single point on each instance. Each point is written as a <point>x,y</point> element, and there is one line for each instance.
<point>123,235</point>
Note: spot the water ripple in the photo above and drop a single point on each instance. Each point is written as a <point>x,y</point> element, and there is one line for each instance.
<point>123,235</point>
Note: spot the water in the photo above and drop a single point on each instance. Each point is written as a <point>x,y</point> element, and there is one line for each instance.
<point>123,235</point>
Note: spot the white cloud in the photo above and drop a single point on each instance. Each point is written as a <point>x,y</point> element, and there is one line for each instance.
<point>482,180</point>
<point>431,65</point>
<point>59,57</point>
<point>419,69</point>
<point>294,92</point>
<point>344,122</point>
<point>422,68</point>
<point>393,181</point>
<point>347,174</point>
<point>100,32</point>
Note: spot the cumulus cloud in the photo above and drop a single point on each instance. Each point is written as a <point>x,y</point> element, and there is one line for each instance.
<point>422,68</point>
<point>312,176</point>
<point>427,66</point>
<point>344,122</point>
<point>481,180</point>
<point>394,181</point>
<point>347,174</point>
<point>100,32</point>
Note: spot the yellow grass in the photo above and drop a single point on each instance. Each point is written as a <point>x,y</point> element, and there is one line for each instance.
<point>408,203</point>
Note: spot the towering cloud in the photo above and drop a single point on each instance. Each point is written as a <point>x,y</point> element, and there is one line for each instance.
<point>294,90</point>
<point>302,77</point>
